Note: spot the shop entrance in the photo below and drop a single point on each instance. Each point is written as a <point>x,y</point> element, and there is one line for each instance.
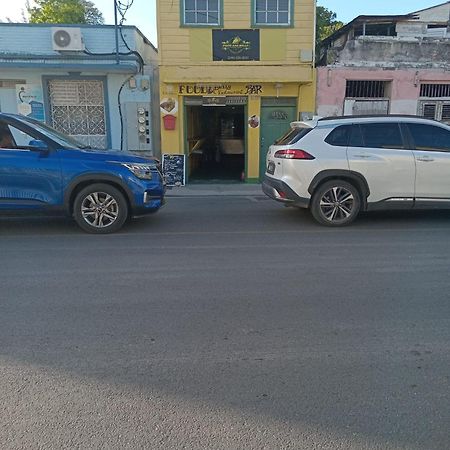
<point>276,116</point>
<point>215,141</point>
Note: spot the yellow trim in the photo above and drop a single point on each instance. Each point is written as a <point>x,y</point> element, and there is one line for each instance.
<point>254,108</point>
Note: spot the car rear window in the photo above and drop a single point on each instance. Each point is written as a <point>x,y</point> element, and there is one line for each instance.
<point>293,136</point>
<point>340,136</point>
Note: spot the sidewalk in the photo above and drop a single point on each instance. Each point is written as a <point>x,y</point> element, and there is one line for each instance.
<point>212,190</point>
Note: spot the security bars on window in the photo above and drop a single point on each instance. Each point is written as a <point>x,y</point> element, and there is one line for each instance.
<point>435,90</point>
<point>77,108</point>
<point>201,12</point>
<point>272,12</point>
<point>365,89</point>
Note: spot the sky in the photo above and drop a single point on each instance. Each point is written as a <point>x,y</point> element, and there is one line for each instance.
<point>143,12</point>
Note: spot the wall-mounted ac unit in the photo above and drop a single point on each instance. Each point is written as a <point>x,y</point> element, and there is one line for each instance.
<point>67,39</point>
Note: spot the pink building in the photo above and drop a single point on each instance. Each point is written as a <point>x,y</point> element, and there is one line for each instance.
<point>388,65</point>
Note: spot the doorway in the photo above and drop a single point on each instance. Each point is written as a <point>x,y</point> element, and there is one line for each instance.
<point>215,142</point>
<point>276,116</point>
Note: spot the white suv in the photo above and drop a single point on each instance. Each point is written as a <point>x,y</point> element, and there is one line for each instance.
<point>338,167</point>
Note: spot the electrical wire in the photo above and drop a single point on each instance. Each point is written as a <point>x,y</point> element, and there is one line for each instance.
<point>122,8</point>
<point>119,103</point>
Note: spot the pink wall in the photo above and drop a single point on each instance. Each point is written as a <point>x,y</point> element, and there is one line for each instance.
<point>405,87</point>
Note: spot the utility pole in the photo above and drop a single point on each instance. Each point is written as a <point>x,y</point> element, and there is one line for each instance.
<point>117,32</point>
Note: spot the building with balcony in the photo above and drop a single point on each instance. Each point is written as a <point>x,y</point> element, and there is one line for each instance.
<point>233,75</point>
<point>388,65</point>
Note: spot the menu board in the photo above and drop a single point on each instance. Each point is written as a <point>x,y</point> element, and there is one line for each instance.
<point>174,170</point>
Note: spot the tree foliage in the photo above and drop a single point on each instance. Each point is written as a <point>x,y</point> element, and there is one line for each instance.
<point>326,23</point>
<point>65,11</point>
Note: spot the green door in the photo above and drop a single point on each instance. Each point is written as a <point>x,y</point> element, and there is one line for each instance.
<point>275,121</point>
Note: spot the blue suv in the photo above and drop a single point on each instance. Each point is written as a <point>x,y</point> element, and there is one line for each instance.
<point>43,170</point>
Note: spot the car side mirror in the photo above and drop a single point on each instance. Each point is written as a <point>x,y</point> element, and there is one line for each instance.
<point>37,144</point>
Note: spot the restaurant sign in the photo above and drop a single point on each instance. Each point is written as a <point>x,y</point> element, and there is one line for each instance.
<point>220,89</point>
<point>236,45</point>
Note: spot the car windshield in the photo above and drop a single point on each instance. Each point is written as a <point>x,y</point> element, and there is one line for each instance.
<point>60,138</point>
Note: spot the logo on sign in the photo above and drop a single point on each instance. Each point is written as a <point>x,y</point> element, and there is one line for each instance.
<point>236,45</point>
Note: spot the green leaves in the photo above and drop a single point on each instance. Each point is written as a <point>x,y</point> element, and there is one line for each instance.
<point>326,23</point>
<point>65,11</point>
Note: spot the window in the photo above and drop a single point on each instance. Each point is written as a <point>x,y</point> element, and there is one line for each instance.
<point>293,136</point>
<point>429,137</point>
<point>435,90</point>
<point>201,12</point>
<point>77,108</point>
<point>11,137</point>
<point>382,135</point>
<point>365,89</point>
<point>435,110</point>
<point>356,139</point>
<point>272,12</point>
<point>339,136</point>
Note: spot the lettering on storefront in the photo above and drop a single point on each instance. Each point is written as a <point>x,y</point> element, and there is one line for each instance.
<point>220,89</point>
<point>279,115</point>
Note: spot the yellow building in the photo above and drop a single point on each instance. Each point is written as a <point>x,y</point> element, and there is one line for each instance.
<point>233,75</point>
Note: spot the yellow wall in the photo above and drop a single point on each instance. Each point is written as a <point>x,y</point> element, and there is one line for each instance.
<point>175,43</point>
<point>186,59</point>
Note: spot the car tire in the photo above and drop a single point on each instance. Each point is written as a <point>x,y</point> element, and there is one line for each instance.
<point>336,203</point>
<point>100,208</point>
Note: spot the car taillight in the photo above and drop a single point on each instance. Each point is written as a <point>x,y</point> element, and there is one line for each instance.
<point>293,154</point>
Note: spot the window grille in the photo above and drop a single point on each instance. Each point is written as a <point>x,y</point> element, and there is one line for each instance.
<point>429,111</point>
<point>435,110</point>
<point>77,108</point>
<point>445,117</point>
<point>436,90</point>
<point>272,12</point>
<point>201,12</point>
<point>365,89</point>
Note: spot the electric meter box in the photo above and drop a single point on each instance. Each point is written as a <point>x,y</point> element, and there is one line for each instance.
<point>137,126</point>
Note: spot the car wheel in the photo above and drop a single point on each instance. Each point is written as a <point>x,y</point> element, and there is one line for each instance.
<point>100,208</point>
<point>336,203</point>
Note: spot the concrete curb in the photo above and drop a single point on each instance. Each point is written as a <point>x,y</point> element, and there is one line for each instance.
<point>214,190</point>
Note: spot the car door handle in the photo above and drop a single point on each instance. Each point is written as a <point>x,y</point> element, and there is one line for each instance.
<point>362,155</point>
<point>425,158</point>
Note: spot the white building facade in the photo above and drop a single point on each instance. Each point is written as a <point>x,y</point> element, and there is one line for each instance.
<point>93,82</point>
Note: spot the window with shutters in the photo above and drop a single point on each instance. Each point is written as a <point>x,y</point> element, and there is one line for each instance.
<point>77,108</point>
<point>435,110</point>
<point>435,101</point>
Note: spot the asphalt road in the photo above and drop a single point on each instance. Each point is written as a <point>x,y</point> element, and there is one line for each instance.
<point>226,323</point>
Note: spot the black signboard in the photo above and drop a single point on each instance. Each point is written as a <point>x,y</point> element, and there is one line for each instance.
<point>236,45</point>
<point>174,169</point>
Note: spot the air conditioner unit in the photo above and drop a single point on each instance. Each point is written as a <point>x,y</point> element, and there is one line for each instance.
<point>67,39</point>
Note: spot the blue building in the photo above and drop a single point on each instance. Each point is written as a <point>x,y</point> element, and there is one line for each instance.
<point>92,82</point>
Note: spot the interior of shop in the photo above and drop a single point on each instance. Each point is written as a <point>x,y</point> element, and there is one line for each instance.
<point>216,142</point>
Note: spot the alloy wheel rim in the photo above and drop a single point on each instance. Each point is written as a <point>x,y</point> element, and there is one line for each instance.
<point>99,209</point>
<point>337,204</point>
